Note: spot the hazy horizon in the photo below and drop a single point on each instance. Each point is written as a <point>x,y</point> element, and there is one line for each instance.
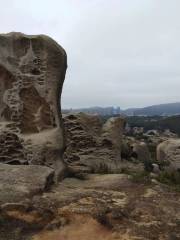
<point>120,53</point>
<point>115,106</point>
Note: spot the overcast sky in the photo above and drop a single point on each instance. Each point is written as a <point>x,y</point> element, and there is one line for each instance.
<point>120,52</point>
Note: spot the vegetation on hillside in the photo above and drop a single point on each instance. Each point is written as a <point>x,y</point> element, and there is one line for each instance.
<point>157,122</point>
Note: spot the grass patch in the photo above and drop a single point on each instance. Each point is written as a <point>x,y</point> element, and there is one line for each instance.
<point>125,170</point>
<point>169,177</point>
<point>141,177</point>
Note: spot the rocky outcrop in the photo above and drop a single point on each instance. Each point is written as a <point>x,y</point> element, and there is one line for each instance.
<point>104,206</point>
<point>91,145</point>
<point>19,183</point>
<point>112,132</point>
<point>141,151</point>
<point>168,153</point>
<point>32,71</point>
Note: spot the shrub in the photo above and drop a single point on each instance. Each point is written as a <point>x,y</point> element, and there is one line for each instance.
<point>141,177</point>
<point>148,165</point>
<point>170,178</point>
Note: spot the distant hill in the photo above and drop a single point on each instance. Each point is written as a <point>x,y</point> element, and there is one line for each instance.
<point>129,111</point>
<point>168,109</point>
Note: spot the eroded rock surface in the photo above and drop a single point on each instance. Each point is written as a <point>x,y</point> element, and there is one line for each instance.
<point>20,182</point>
<point>140,150</point>
<point>108,206</point>
<point>168,152</point>
<point>102,206</point>
<point>32,71</point>
<point>91,145</point>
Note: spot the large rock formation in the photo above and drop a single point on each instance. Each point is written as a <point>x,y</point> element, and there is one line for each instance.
<point>168,153</point>
<point>32,71</point>
<point>91,145</point>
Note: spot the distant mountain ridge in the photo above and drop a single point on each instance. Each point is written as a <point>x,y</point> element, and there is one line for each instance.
<point>168,109</point>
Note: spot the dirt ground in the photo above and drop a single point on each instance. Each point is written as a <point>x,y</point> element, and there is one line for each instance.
<point>103,207</point>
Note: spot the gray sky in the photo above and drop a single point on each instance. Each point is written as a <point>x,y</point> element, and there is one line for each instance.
<point>120,52</point>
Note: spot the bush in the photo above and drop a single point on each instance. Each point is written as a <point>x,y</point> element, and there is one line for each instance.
<point>170,178</point>
<point>141,177</point>
<point>148,165</point>
<point>125,170</point>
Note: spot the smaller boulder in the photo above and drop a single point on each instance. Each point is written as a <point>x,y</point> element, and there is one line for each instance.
<point>141,151</point>
<point>156,169</point>
<point>112,132</point>
<point>20,182</point>
<point>168,153</point>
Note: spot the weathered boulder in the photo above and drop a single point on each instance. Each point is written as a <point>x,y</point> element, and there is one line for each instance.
<point>168,153</point>
<point>156,169</point>
<point>92,146</point>
<point>20,182</point>
<point>32,71</point>
<point>141,151</point>
<point>112,132</point>
<point>126,150</point>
